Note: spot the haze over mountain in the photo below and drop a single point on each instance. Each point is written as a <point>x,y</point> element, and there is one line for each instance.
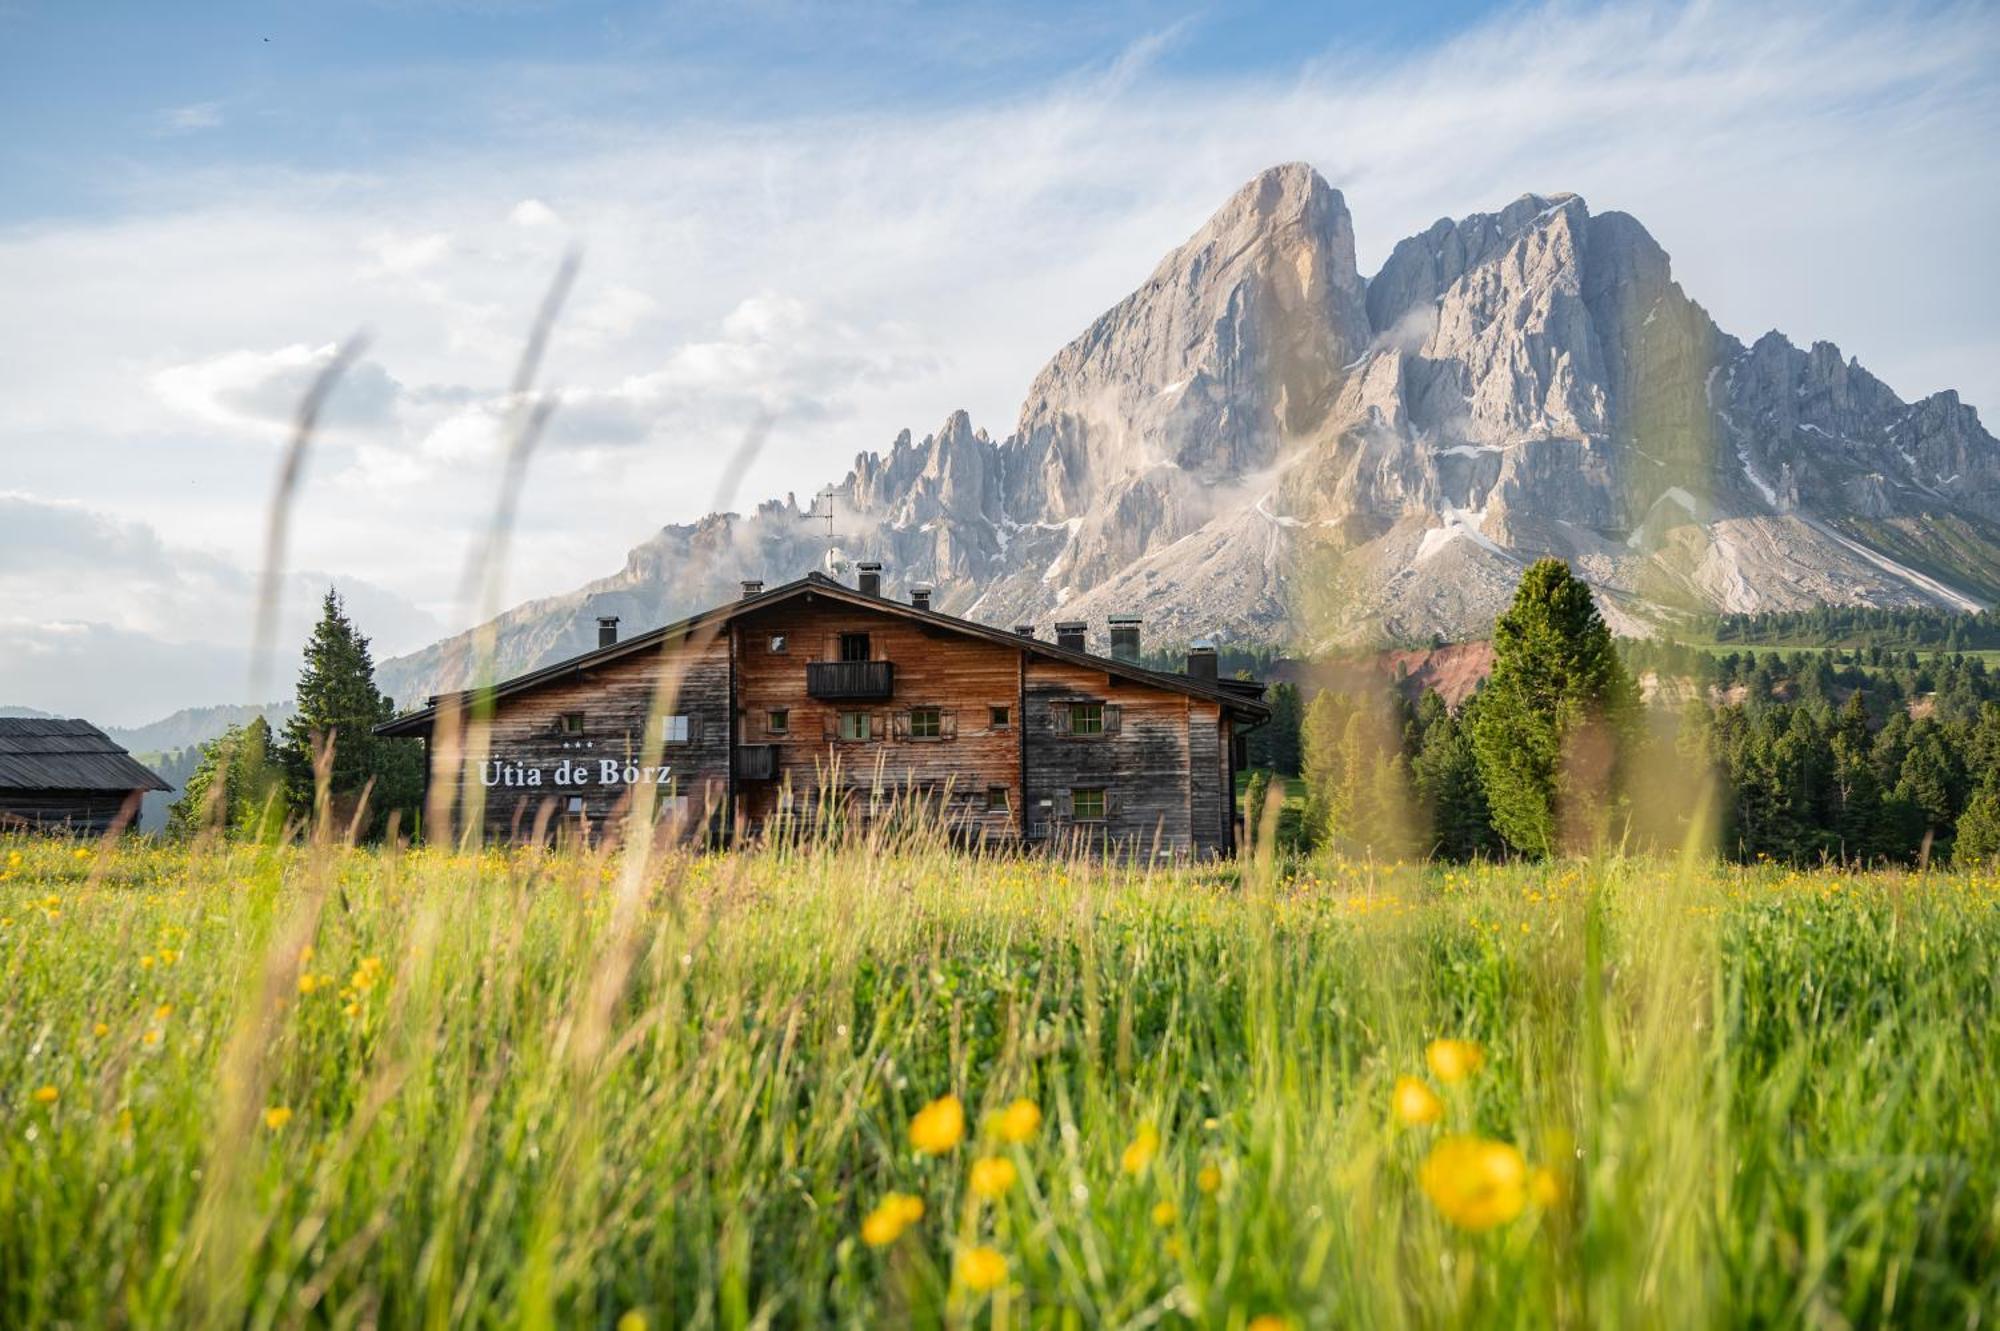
<point>1259,444</point>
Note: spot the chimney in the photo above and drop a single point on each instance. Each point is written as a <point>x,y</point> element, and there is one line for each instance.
<point>752,587</point>
<point>869,578</point>
<point>1125,638</point>
<point>1025,630</point>
<point>920,597</point>
<point>607,630</point>
<point>1070,635</point>
<point>1201,659</point>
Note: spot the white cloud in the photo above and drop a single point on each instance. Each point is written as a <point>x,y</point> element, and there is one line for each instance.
<point>189,119</point>
<point>106,619</point>
<point>257,390</point>
<point>533,214</point>
<point>1822,168</point>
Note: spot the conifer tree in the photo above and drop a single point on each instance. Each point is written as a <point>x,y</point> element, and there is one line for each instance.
<point>338,708</point>
<point>249,801</point>
<point>1556,716</point>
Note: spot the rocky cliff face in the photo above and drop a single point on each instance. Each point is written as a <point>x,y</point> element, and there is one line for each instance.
<point>1258,444</point>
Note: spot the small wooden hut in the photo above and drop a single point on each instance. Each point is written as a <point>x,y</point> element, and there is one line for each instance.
<point>67,776</point>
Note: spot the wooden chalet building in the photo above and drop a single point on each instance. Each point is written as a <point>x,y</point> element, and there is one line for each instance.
<point>68,776</point>
<point>816,692</point>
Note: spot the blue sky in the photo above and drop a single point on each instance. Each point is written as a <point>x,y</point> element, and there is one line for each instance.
<point>98,93</point>
<point>849,218</point>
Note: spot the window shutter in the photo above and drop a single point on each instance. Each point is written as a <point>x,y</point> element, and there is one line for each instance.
<point>1114,803</point>
<point>832,648</point>
<point>875,725</point>
<point>947,724</point>
<point>1112,713</point>
<point>1062,804</point>
<point>830,724</point>
<point>1059,717</point>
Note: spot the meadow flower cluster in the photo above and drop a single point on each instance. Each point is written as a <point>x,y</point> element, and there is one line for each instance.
<point>294,1084</point>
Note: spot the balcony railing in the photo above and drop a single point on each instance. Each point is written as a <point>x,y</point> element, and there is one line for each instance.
<point>832,681</point>
<point>756,762</point>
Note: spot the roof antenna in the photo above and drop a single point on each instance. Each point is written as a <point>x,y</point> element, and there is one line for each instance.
<point>822,510</point>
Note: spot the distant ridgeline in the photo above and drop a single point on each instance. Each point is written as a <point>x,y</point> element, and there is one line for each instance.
<point>1864,626</point>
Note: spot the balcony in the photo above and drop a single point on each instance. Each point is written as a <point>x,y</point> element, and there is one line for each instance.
<point>841,681</point>
<point>756,762</point>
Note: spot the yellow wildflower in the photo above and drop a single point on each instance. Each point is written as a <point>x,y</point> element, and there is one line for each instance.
<point>81,853</point>
<point>632,1321</point>
<point>276,1117</point>
<point>1452,1061</point>
<point>1209,1180</point>
<point>163,1011</point>
<point>13,859</point>
<point>306,984</point>
<point>46,1095</point>
<point>150,1038</point>
<point>100,1030</point>
<point>1475,1182</point>
<point>1268,1322</point>
<point>1416,1104</point>
<point>168,956</point>
<point>146,962</point>
<point>938,1126</point>
<point>981,1269</point>
<point>895,1213</point>
<point>1018,1122</point>
<point>1165,1213</point>
<point>1544,1188</point>
<point>1139,1152</point>
<point>992,1177</point>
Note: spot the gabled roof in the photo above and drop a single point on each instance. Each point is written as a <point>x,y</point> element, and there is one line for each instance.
<point>1245,697</point>
<point>38,753</point>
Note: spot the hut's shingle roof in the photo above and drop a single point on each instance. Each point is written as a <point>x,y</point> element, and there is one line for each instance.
<point>49,754</point>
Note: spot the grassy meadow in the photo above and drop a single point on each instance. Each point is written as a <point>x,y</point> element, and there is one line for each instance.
<point>274,1087</point>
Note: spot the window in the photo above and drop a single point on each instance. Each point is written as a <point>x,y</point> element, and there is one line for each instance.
<point>1086,718</point>
<point>570,723</point>
<point>996,799</point>
<point>854,725</point>
<point>923,723</point>
<point>674,729</point>
<point>778,645</point>
<point>575,804</point>
<point>778,721</point>
<point>1086,804</point>
<point>997,718</point>
<point>854,647</point>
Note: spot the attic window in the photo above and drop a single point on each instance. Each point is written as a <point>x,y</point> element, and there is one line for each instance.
<point>674,729</point>
<point>778,645</point>
<point>570,723</point>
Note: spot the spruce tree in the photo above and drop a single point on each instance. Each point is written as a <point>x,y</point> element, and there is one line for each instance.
<point>338,708</point>
<point>1556,717</point>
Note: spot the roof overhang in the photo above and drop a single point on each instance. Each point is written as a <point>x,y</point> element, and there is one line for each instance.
<point>1241,697</point>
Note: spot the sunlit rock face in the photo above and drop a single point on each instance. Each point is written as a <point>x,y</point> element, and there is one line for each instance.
<point>1259,445</point>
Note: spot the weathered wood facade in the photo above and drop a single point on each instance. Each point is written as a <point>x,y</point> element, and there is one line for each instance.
<point>61,775</point>
<point>816,701</point>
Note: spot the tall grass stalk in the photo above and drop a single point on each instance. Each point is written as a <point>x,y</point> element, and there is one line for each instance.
<point>317,1085</point>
